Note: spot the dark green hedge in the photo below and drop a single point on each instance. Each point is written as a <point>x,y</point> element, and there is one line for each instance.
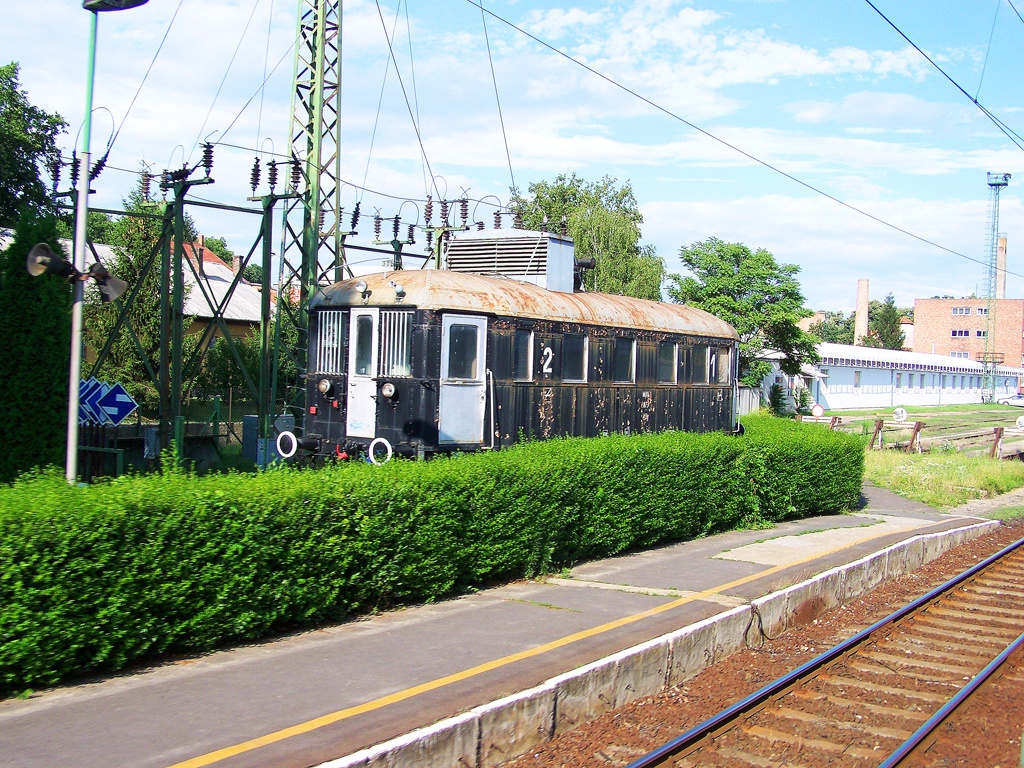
<point>94,578</point>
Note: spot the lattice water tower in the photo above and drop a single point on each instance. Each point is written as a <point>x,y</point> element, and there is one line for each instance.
<point>990,358</point>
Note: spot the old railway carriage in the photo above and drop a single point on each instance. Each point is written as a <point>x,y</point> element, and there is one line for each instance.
<point>433,360</point>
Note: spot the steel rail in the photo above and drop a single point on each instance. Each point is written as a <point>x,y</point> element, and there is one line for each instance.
<point>907,747</point>
<point>723,718</point>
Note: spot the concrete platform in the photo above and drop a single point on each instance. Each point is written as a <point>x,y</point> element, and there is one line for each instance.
<point>479,679</point>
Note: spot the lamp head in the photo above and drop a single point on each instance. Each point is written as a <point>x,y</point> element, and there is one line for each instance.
<point>111,5</point>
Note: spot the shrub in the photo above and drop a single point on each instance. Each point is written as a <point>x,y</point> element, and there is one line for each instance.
<point>95,578</point>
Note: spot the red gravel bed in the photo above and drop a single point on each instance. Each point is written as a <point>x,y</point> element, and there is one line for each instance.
<point>986,733</point>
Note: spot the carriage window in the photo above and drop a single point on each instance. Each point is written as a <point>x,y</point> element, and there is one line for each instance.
<point>462,363</point>
<point>622,368</point>
<point>666,363</point>
<point>699,362</point>
<point>364,345</point>
<point>724,369</point>
<point>574,357</point>
<point>396,343</point>
<point>522,356</point>
<point>329,357</point>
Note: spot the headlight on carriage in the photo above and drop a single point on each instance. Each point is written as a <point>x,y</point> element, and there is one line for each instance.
<point>388,389</point>
<point>324,386</point>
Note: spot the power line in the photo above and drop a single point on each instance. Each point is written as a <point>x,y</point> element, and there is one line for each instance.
<point>405,94</point>
<point>988,49</point>
<point>733,147</point>
<point>1011,135</point>
<point>494,79</point>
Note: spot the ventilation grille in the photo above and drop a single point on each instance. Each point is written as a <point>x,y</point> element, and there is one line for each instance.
<point>508,256</point>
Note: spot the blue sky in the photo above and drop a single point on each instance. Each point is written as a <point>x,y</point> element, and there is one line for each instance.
<point>828,93</point>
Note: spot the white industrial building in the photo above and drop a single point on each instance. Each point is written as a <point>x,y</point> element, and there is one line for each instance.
<point>866,377</point>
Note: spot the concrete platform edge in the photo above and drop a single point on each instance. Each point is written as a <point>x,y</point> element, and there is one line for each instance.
<point>506,728</point>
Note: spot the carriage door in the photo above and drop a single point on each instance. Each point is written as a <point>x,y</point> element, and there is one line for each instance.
<point>362,368</point>
<point>463,379</point>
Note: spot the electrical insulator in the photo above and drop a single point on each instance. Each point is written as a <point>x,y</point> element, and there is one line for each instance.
<point>75,170</point>
<point>323,217</point>
<point>208,158</point>
<point>98,166</point>
<point>165,180</point>
<point>296,172</point>
<point>479,226</point>
<point>430,238</point>
<point>517,223</point>
<point>394,228</point>
<point>428,210</point>
<point>497,220</point>
<point>464,210</point>
<point>376,227</point>
<point>144,183</point>
<point>272,174</point>
<point>412,235</point>
<point>563,227</point>
<point>254,177</point>
<point>355,217</point>
<point>55,171</point>
<point>444,213</point>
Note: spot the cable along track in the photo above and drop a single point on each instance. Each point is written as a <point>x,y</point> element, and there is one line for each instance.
<point>875,698</point>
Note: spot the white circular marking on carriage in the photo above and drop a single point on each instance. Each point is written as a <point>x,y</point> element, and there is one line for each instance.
<point>380,441</point>
<point>899,415</point>
<point>287,436</point>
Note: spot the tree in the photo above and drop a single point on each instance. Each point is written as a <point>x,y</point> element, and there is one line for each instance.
<point>604,222</point>
<point>884,325</point>
<point>28,137</point>
<point>760,298</point>
<point>35,346</point>
<point>835,328</point>
<point>99,227</point>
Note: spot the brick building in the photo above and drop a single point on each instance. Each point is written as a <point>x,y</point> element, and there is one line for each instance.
<point>957,328</point>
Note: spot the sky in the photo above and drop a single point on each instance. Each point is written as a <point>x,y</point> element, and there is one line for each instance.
<point>813,130</point>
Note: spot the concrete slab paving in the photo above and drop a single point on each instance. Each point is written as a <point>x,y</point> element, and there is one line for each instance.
<point>316,696</point>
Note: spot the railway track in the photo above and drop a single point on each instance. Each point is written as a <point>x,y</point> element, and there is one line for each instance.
<point>876,698</point>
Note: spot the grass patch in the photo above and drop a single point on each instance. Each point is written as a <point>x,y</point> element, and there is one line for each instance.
<point>942,480</point>
<point>1005,513</point>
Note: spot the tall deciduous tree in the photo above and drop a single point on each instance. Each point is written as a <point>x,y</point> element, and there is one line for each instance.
<point>835,328</point>
<point>35,347</point>
<point>28,138</point>
<point>603,220</point>
<point>758,296</point>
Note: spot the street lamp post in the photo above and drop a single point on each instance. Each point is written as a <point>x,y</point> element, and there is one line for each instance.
<point>81,216</point>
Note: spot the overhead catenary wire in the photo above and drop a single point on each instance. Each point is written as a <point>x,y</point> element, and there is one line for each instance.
<point>733,147</point>
<point>1010,134</point>
<point>497,99</point>
<point>405,94</point>
<point>988,49</point>
<point>380,104</point>
<point>224,79</point>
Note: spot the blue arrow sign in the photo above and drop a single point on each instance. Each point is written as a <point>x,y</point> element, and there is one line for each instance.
<point>116,404</point>
<point>88,392</point>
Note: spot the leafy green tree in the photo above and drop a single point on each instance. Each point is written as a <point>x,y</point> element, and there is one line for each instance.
<point>759,297</point>
<point>99,227</point>
<point>35,347</point>
<point>884,325</point>
<point>835,328</point>
<point>28,137</point>
<point>603,220</point>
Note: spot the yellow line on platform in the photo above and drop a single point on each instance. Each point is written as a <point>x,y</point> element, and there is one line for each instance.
<point>342,714</point>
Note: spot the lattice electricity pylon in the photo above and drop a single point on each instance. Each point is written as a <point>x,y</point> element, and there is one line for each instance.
<point>312,241</point>
<point>990,358</point>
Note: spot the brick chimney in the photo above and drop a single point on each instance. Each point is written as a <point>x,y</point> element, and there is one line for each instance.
<point>860,322</point>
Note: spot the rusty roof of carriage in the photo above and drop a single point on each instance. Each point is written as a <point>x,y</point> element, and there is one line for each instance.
<point>466,292</point>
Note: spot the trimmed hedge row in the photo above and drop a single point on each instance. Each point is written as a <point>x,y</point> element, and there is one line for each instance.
<point>95,578</point>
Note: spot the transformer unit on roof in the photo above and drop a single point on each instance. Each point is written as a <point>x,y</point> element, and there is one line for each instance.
<point>545,259</point>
